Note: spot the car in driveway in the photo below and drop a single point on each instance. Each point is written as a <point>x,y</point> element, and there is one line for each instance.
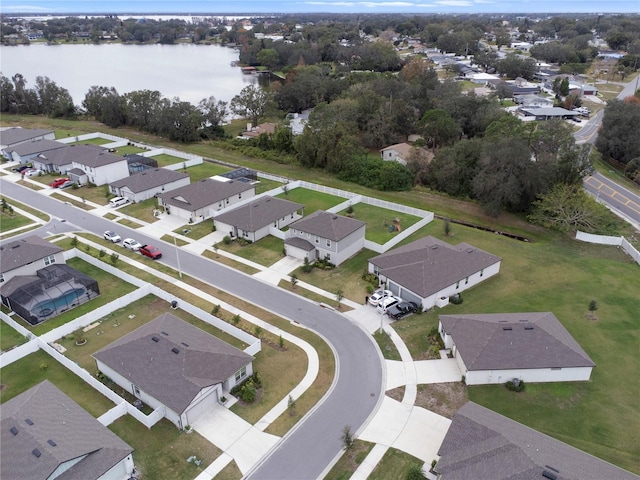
<point>387,302</point>
<point>58,181</point>
<point>111,236</point>
<point>150,251</point>
<point>118,202</point>
<point>21,168</point>
<point>401,310</point>
<point>378,295</point>
<point>33,172</point>
<point>66,184</point>
<point>131,244</point>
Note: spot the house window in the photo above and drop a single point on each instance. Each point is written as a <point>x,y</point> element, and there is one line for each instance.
<point>457,285</point>
<point>466,280</point>
<point>1,277</point>
<point>240,374</point>
<point>227,201</point>
<point>275,224</point>
<point>292,215</point>
<point>48,260</point>
<point>481,272</point>
<point>328,243</point>
<point>219,204</point>
<point>239,195</point>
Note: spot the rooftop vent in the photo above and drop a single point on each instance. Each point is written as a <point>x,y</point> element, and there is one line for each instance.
<point>434,247</point>
<point>528,328</point>
<point>165,333</point>
<point>28,421</point>
<point>507,328</point>
<point>36,452</point>
<point>52,443</point>
<point>549,475</point>
<point>185,344</point>
<point>470,250</point>
<point>335,217</point>
<point>155,339</point>
<point>14,430</point>
<point>175,350</point>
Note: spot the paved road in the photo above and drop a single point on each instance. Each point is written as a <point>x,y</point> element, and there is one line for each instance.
<point>626,202</point>
<point>307,450</point>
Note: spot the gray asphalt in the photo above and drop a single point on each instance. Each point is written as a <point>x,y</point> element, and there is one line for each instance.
<point>305,452</point>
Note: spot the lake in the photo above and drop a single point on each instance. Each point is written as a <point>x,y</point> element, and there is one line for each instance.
<point>190,72</point>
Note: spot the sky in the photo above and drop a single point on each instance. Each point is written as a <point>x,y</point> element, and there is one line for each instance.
<point>56,7</point>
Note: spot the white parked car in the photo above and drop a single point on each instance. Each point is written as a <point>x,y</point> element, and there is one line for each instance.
<point>118,201</point>
<point>386,303</point>
<point>378,295</point>
<point>111,236</point>
<point>131,244</point>
<point>32,172</point>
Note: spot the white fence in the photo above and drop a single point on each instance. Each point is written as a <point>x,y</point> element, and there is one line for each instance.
<point>90,136</point>
<point>15,354</point>
<point>609,240</point>
<point>174,153</point>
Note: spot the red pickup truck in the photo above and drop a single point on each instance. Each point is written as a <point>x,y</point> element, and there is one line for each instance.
<point>150,251</point>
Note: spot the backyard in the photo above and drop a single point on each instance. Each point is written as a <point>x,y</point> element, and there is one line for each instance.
<point>381,222</point>
<point>311,199</point>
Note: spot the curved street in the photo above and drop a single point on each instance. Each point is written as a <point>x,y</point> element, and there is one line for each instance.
<point>357,390</point>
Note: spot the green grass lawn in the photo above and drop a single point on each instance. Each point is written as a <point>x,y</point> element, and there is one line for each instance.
<point>311,199</point>
<point>11,221</point>
<point>99,195</point>
<point>387,347</point>
<point>205,170</point>
<point>142,210</point>
<point>242,267</point>
<point>265,251</point>
<point>128,150</point>
<point>93,141</point>
<point>265,185</point>
<point>196,231</point>
<point>29,371</point>
<point>67,132</point>
<point>26,208</point>
<point>561,275</point>
<point>76,203</point>
<point>9,337</point>
<point>350,460</point>
<point>393,462</point>
<point>162,451</point>
<point>171,239</point>
<point>111,287</point>
<point>165,159</point>
<point>379,220</point>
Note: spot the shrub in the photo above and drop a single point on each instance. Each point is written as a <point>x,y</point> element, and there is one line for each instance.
<point>226,240</point>
<point>113,258</point>
<point>371,279</point>
<point>236,319</point>
<point>257,330</point>
<point>515,385</point>
<point>74,242</point>
<point>456,299</point>
<point>215,310</point>
<point>307,267</point>
<point>102,253</point>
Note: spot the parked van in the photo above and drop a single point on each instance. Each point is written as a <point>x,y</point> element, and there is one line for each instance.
<point>118,202</point>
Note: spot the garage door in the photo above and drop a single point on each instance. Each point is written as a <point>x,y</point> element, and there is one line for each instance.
<point>408,296</point>
<point>395,288</point>
<point>205,404</point>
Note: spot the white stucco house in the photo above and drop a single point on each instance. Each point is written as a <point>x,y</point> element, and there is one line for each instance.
<point>201,200</point>
<point>430,271</point>
<point>325,235</point>
<point>148,183</point>
<point>170,364</point>
<point>46,435</point>
<point>26,256</point>
<point>496,348</point>
<point>98,165</point>
<point>258,218</point>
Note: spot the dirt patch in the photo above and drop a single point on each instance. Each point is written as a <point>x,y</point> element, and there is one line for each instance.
<point>442,398</point>
<point>396,393</point>
<point>2,387</point>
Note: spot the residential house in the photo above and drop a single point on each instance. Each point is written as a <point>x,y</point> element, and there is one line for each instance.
<point>430,271</point>
<point>496,348</point>
<point>482,444</point>
<point>401,152</point>
<point>170,364</point>
<point>148,183</point>
<point>534,101</point>
<point>547,113</point>
<point>14,136</point>
<point>27,256</point>
<point>98,165</point>
<point>25,152</point>
<point>46,435</point>
<point>325,235</point>
<point>59,160</point>
<point>201,200</point>
<point>255,132</point>
<point>257,218</point>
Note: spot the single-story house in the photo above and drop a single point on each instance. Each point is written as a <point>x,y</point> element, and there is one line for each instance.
<point>325,235</point>
<point>482,78</point>
<point>534,101</point>
<point>25,152</point>
<point>100,166</point>
<point>11,137</point>
<point>429,271</point>
<point>27,256</point>
<point>201,200</point>
<point>255,219</point>
<point>400,152</point>
<point>169,363</point>
<point>547,113</point>
<point>496,348</point>
<point>148,183</point>
<point>255,132</point>
<point>482,444</point>
<point>46,435</point>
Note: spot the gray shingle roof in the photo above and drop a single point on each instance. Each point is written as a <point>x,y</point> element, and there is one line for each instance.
<point>11,136</point>
<point>428,265</point>
<point>203,193</point>
<point>501,341</point>
<point>482,444</point>
<point>37,146</point>
<point>58,418</point>
<point>299,243</point>
<point>328,225</point>
<point>259,213</point>
<point>148,179</point>
<point>18,253</point>
<point>174,379</point>
<point>87,155</point>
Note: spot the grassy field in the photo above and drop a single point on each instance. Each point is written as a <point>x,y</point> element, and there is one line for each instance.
<point>562,276</point>
<point>229,262</point>
<point>393,462</point>
<point>266,251</point>
<point>162,451</point>
<point>9,337</point>
<point>379,220</point>
<point>92,141</point>
<point>76,203</point>
<point>11,221</point>
<point>350,461</point>
<point>29,371</point>
<point>311,199</point>
<point>141,210</point>
<point>165,159</point>
<point>129,150</point>
<point>197,230</point>
<point>205,170</point>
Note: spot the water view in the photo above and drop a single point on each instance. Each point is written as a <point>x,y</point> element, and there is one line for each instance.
<point>191,72</point>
